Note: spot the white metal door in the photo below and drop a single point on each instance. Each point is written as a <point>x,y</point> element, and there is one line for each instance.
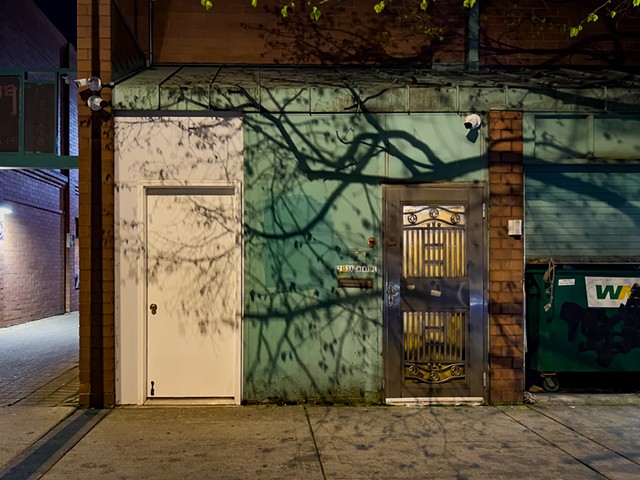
<point>193,305</point>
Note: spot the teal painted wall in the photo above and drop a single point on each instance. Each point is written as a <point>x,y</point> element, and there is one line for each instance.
<point>313,197</point>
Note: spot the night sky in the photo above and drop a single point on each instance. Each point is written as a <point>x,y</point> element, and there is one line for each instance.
<point>62,14</point>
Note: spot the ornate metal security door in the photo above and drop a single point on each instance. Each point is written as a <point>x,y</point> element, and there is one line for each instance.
<point>434,291</point>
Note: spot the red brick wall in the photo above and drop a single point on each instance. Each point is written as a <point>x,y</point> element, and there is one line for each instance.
<point>530,33</point>
<point>33,251</point>
<point>348,32</point>
<point>27,38</point>
<point>506,258</point>
<point>72,296</point>
<point>130,25</point>
<point>34,260</point>
<point>527,33</point>
<point>136,13</point>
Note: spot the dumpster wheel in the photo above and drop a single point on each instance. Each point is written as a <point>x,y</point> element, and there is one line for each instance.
<point>550,384</point>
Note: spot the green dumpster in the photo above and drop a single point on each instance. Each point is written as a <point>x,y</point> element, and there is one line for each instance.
<point>582,319</point>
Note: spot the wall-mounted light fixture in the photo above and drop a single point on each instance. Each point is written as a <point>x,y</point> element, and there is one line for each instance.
<point>514,227</point>
<point>3,211</point>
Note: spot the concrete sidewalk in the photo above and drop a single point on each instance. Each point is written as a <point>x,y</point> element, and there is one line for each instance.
<point>558,438</point>
<point>35,354</point>
<point>44,435</point>
<point>38,381</point>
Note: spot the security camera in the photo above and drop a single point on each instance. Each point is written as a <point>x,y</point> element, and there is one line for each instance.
<point>95,103</point>
<point>94,83</point>
<point>473,121</point>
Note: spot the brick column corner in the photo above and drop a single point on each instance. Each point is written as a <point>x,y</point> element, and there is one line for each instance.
<point>506,258</point>
<point>96,204</point>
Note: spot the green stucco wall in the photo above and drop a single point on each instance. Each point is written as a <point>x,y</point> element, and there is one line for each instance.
<point>313,196</point>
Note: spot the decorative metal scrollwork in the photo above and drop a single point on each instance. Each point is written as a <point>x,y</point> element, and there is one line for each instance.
<point>433,372</point>
<point>425,215</point>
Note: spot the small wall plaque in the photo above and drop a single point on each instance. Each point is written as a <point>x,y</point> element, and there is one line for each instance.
<point>365,283</point>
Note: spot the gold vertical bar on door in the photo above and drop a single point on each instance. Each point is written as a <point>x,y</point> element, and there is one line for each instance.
<point>441,252</point>
<point>447,253</point>
<point>417,247</point>
<point>420,252</point>
<point>447,337</point>
<point>430,252</point>
<point>406,335</point>
<point>441,328</point>
<point>422,349</point>
<point>404,253</point>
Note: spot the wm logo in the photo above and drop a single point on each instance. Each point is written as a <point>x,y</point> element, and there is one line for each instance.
<point>614,292</point>
<point>608,292</point>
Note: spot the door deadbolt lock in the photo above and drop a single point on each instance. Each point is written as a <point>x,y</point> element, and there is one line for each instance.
<point>154,308</point>
<point>391,293</point>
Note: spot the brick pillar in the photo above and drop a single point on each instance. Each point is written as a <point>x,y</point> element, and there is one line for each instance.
<point>95,165</point>
<point>506,258</point>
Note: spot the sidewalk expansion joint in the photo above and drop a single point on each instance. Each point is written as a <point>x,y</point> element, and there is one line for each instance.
<point>40,457</point>
<point>583,435</point>
<point>555,445</point>
<point>313,437</point>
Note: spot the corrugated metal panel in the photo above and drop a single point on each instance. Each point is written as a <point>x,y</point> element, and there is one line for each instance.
<point>580,138</point>
<point>391,90</point>
<point>582,212</point>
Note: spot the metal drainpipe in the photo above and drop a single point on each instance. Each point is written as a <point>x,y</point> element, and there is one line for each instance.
<point>150,59</point>
<point>473,41</point>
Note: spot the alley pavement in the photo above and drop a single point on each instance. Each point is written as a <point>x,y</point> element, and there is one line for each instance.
<point>35,354</point>
<point>560,436</point>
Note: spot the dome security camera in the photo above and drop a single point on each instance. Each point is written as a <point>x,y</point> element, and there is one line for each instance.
<point>473,121</point>
<point>96,103</point>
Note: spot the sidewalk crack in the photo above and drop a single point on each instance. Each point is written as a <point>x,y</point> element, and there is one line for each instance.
<point>315,442</point>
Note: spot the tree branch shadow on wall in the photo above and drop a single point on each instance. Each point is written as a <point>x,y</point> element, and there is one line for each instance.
<point>312,198</point>
<point>538,35</point>
<point>402,34</point>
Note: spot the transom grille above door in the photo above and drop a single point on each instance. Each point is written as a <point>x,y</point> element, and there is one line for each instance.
<point>434,241</point>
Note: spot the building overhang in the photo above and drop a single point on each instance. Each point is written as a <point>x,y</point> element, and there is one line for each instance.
<point>311,90</point>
